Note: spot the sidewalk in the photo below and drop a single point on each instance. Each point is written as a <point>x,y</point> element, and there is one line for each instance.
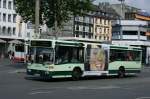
<point>14,67</point>
<point>9,63</point>
<point>5,62</point>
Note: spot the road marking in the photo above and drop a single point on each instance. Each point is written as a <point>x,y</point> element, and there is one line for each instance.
<point>40,92</point>
<point>16,71</point>
<point>143,98</point>
<point>92,87</point>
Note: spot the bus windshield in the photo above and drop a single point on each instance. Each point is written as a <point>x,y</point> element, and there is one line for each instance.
<point>41,55</point>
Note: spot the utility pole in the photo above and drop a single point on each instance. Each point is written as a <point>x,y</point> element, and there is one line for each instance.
<point>36,34</point>
<point>37,12</point>
<point>122,8</point>
<point>121,17</point>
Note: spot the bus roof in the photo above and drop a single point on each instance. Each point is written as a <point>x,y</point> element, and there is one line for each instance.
<point>59,42</point>
<point>125,47</point>
<point>80,42</point>
<point>84,40</point>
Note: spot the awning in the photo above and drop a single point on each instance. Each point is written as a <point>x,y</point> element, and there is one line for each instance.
<point>2,41</point>
<point>16,42</point>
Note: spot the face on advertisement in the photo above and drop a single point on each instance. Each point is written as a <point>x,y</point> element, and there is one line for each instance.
<point>97,61</point>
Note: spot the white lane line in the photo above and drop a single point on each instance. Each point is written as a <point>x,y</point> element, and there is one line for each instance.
<point>40,92</point>
<point>16,71</point>
<point>92,87</point>
<point>143,98</point>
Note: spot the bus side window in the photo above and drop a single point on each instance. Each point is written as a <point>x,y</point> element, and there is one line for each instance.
<point>129,56</point>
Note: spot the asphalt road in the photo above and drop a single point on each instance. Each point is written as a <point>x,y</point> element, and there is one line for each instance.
<point>15,84</point>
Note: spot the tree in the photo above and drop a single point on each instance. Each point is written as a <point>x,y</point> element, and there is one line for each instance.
<point>52,12</point>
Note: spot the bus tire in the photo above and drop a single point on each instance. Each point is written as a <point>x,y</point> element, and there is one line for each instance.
<point>121,72</point>
<point>76,74</point>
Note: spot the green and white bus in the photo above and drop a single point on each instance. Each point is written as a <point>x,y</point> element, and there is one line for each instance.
<point>60,58</point>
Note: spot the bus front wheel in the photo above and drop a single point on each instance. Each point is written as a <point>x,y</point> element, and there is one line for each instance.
<point>76,74</point>
<point>121,72</point>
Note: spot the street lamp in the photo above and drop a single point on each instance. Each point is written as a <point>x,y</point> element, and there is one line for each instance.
<point>37,12</point>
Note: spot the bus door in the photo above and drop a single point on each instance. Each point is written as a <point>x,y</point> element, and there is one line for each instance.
<point>96,58</point>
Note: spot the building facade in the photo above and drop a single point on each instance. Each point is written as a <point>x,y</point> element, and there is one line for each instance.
<point>95,25</point>
<point>132,33</point>
<point>102,29</point>
<point>7,25</point>
<point>83,26</point>
<point>132,29</point>
<point>13,30</point>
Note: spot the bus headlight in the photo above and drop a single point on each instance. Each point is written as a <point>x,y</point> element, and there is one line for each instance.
<point>29,70</point>
<point>51,67</point>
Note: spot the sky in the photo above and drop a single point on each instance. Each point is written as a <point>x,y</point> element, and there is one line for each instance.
<point>142,4</point>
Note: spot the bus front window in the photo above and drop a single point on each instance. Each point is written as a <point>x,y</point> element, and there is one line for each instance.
<point>41,55</point>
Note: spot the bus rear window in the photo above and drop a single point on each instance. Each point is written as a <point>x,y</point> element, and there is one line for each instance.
<point>19,48</point>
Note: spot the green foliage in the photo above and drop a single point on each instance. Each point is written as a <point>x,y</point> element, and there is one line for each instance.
<point>52,10</point>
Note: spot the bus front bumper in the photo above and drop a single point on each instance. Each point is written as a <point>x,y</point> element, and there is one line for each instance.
<point>39,72</point>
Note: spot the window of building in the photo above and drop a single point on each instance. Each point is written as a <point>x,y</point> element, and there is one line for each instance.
<point>148,38</point>
<point>100,37</point>
<point>130,32</point>
<point>107,38</point>
<point>104,38</point>
<point>4,3</point>
<point>77,27</point>
<point>14,31</point>
<point>91,29</point>
<point>0,16</point>
<point>104,30</point>
<point>9,30</point>
<point>9,17</point>
<point>87,20</point>
<point>0,30</point>
<point>14,18</point>
<point>87,29</point>
<point>14,6</point>
<point>96,29</point>
<point>84,28</point>
<point>0,3</point>
<point>81,19</point>
<point>84,18</point>
<point>95,36</point>
<point>104,22</point>
<point>4,17</point>
<point>100,21</point>
<point>90,20</point>
<point>142,33</point>
<point>100,30</point>
<point>28,34</point>
<point>77,18</point>
<point>108,30</point>
<point>9,5</point>
<point>96,20</point>
<point>4,30</point>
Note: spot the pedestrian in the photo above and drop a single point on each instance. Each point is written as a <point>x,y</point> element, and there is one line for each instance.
<point>12,54</point>
<point>9,54</point>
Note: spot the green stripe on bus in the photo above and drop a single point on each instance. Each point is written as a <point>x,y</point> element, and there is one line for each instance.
<point>127,71</point>
<point>54,73</point>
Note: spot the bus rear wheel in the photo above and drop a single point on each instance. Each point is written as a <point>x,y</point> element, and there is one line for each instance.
<point>121,72</point>
<point>76,74</point>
